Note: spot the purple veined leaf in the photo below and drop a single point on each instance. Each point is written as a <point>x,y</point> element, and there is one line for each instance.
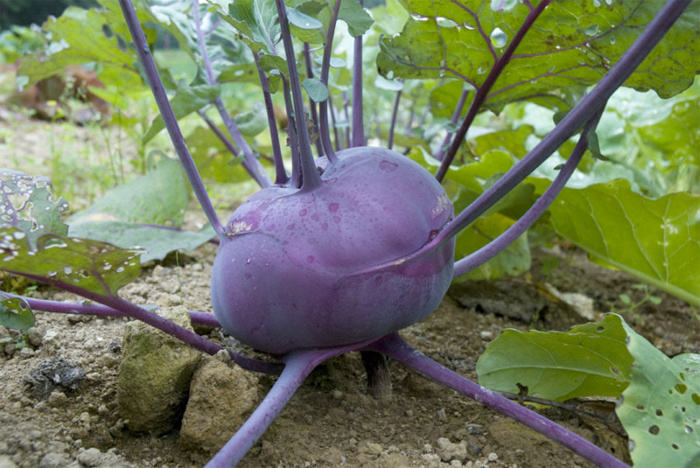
<point>28,204</point>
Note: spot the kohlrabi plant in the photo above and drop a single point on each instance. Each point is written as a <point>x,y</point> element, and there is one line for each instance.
<point>348,243</point>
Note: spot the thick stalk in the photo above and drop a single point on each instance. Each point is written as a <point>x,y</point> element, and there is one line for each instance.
<point>166,111</point>
<point>348,143</point>
<point>333,121</point>
<point>281,176</point>
<point>358,129</point>
<point>312,104</point>
<point>298,365</point>
<point>325,71</point>
<point>292,134</point>
<point>496,246</point>
<point>310,176</point>
<point>394,113</point>
<point>250,162</point>
<point>455,119</point>
<point>483,91</point>
<point>396,348</point>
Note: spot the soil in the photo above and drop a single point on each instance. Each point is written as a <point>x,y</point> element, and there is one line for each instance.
<point>59,408</point>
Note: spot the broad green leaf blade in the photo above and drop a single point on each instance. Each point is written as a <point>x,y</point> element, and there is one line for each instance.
<point>316,90</point>
<point>588,360</point>
<point>79,264</point>
<point>655,240</point>
<point>572,44</point>
<point>357,19</point>
<point>187,99</point>
<point>28,204</point>
<point>252,122</point>
<point>15,313</point>
<point>255,20</point>
<point>159,197</point>
<point>302,20</point>
<point>156,242</point>
<point>660,408</point>
<point>76,38</point>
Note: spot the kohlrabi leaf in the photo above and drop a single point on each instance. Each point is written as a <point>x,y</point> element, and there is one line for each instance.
<point>588,360</point>
<point>187,99</point>
<point>357,19</point>
<point>512,261</point>
<point>69,263</point>
<point>155,242</point>
<point>660,408</point>
<point>572,44</point>
<point>255,20</point>
<point>252,122</point>
<point>655,240</point>
<point>28,204</point>
<point>77,37</point>
<point>158,197</point>
<point>317,91</point>
<point>15,313</point>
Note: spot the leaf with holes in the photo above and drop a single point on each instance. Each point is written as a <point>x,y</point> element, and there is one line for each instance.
<point>15,313</point>
<point>660,409</point>
<point>572,44</point>
<point>28,204</point>
<point>73,264</point>
<point>588,360</point>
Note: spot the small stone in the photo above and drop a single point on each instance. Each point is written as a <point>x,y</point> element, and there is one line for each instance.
<point>90,457</point>
<point>6,462</point>
<point>442,414</point>
<point>337,394</point>
<point>486,335</point>
<point>493,457</point>
<point>35,336</point>
<point>26,353</point>
<point>54,460</point>
<point>449,451</point>
<point>375,448</point>
<point>58,399</point>
<point>409,413</point>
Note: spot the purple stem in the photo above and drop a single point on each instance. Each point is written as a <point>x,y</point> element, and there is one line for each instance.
<point>396,348</point>
<point>281,176</point>
<point>132,310</point>
<point>390,143</point>
<point>292,133</point>
<point>250,162</point>
<point>144,53</point>
<point>312,104</point>
<point>325,70</point>
<point>298,365</point>
<point>483,91</point>
<point>493,248</point>
<point>358,129</point>
<point>348,144</point>
<point>335,128</point>
<point>80,308</point>
<point>311,179</point>
<point>220,135</point>
<point>455,118</point>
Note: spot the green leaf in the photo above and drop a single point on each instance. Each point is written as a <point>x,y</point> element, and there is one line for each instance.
<point>28,204</point>
<point>572,44</point>
<point>15,313</point>
<point>316,90</point>
<point>660,408</point>
<point>655,240</point>
<point>156,242</point>
<point>512,261</point>
<point>302,20</point>
<point>252,122</point>
<point>69,263</point>
<point>357,19</point>
<point>158,197</point>
<point>588,360</point>
<point>187,99</point>
<point>77,38</point>
<point>255,20</point>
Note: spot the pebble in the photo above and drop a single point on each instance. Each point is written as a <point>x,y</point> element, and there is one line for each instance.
<point>337,394</point>
<point>375,448</point>
<point>6,462</point>
<point>54,460</point>
<point>486,335</point>
<point>90,457</point>
<point>449,451</point>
